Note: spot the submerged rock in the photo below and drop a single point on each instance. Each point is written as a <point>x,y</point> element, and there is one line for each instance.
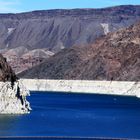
<point>12,92</point>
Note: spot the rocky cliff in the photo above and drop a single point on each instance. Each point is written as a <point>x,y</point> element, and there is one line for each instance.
<point>26,35</point>
<point>113,57</point>
<point>6,73</point>
<point>12,93</point>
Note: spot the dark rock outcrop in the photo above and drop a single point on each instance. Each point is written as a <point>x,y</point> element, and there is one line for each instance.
<point>6,73</point>
<point>113,57</point>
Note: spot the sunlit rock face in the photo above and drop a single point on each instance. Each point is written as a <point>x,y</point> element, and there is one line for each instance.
<point>12,93</point>
<point>13,100</point>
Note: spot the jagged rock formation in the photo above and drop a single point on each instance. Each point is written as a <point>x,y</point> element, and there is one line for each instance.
<point>13,99</point>
<point>12,93</point>
<point>6,73</point>
<point>54,30</point>
<point>113,57</point>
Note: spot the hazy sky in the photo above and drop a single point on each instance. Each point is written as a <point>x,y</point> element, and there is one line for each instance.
<point>14,6</point>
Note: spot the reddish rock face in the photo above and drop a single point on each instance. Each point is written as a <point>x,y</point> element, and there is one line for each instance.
<point>113,57</point>
<point>6,73</point>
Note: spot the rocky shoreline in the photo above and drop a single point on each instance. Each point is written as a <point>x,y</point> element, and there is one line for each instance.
<point>12,92</point>
<point>121,88</point>
<point>13,99</point>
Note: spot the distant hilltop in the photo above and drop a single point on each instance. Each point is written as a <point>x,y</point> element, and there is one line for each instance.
<point>111,11</point>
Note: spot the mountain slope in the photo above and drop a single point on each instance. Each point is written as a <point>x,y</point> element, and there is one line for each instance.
<point>53,30</point>
<point>113,57</point>
<point>56,29</point>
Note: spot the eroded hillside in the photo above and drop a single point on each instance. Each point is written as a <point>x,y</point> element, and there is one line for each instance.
<point>26,39</point>
<point>113,57</point>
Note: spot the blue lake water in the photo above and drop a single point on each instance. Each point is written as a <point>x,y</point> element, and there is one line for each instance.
<point>84,115</point>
